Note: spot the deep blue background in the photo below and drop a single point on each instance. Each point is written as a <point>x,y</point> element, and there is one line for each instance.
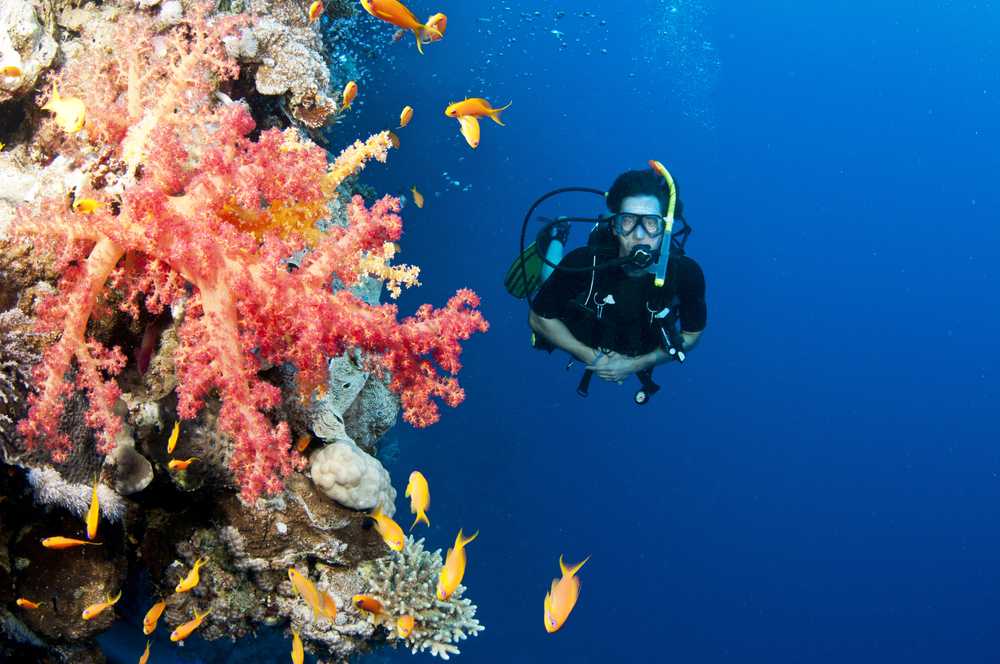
<point>820,481</point>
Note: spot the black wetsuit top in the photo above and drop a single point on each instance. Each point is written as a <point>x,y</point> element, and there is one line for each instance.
<point>624,325</point>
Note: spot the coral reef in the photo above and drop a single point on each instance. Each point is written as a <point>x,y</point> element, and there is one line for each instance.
<point>196,205</point>
<point>228,278</point>
<point>27,42</point>
<point>406,584</point>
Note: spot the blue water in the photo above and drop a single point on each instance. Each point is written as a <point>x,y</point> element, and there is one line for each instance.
<point>819,482</point>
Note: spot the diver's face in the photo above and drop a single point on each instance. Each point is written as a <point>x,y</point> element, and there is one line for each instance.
<point>644,204</point>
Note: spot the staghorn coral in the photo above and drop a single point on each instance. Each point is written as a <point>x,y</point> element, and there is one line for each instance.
<point>406,583</point>
<point>192,207</point>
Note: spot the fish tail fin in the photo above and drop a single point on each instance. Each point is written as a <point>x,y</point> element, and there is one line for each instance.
<point>461,540</point>
<point>495,114</point>
<point>421,517</point>
<point>570,571</point>
<point>416,33</point>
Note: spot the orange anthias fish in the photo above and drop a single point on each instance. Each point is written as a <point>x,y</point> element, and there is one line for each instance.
<point>192,578</point>
<point>11,71</point>
<point>454,566</point>
<point>172,441</point>
<point>178,464</point>
<point>436,24</point>
<point>152,617</point>
<point>405,116</point>
<point>395,12</point>
<point>469,126</point>
<point>315,11</point>
<point>418,200</point>
<point>476,106</point>
<point>404,625</point>
<point>95,610</point>
<point>418,492</point>
<point>350,92</point>
<point>306,590</point>
<point>327,606</point>
<point>60,542</point>
<point>367,603</point>
<point>93,513</point>
<point>25,603</point>
<point>145,655</point>
<point>561,599</point>
<point>184,631</point>
<point>302,443</point>
<point>390,531</point>
<point>70,112</point>
<point>298,652</point>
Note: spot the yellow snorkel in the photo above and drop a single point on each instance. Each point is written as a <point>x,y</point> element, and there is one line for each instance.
<point>661,265</point>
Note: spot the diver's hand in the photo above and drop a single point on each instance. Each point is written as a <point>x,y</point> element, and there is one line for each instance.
<point>613,367</point>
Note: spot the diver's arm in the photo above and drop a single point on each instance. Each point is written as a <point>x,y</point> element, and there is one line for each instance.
<point>555,332</point>
<point>659,356</point>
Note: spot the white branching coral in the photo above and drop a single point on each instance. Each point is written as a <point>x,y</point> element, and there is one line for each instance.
<point>406,583</point>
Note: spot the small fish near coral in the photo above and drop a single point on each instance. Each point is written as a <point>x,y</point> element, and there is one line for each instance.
<point>453,569</point>
<point>419,492</point>
<point>562,596</point>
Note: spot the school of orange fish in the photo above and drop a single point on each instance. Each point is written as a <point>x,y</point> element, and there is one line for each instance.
<point>70,114</point>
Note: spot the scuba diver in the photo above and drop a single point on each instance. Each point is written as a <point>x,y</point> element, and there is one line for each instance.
<point>627,301</point>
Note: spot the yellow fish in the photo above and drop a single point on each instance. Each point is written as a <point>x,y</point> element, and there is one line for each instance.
<point>298,652</point>
<point>476,106</point>
<point>390,531</point>
<point>395,12</point>
<point>404,625</point>
<point>95,610</point>
<point>315,11</point>
<point>367,603</point>
<point>27,603</point>
<point>60,542</point>
<point>177,464</point>
<point>93,513</point>
<point>184,631</point>
<point>405,116</point>
<point>436,24</point>
<point>350,92</point>
<point>454,566</point>
<point>145,655</point>
<point>561,599</point>
<point>418,200</point>
<point>86,205</point>
<point>419,494</point>
<point>302,443</point>
<point>327,606</point>
<point>152,617</point>
<point>11,71</point>
<point>70,112</point>
<point>192,578</point>
<point>306,590</point>
<point>172,441</point>
<point>469,126</point>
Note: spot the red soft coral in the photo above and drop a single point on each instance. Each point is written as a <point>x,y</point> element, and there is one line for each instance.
<point>208,214</point>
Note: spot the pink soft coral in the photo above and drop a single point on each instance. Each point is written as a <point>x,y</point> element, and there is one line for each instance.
<point>207,213</point>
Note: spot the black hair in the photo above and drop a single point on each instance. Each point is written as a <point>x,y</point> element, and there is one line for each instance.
<point>646,182</point>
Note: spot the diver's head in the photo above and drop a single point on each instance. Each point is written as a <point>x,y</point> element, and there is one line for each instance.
<point>637,201</point>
